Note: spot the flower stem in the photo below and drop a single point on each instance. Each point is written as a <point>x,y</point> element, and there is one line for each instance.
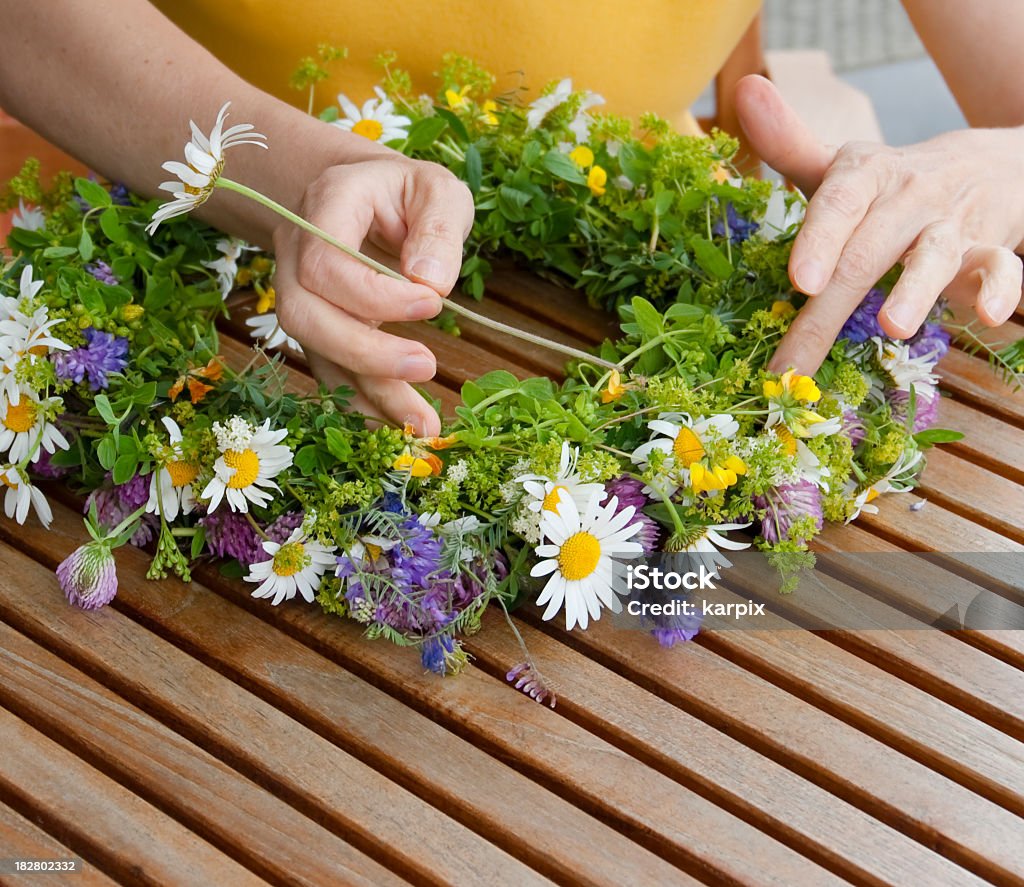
<point>496,325</point>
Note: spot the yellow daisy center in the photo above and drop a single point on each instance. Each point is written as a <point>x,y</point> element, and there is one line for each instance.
<point>578,556</point>
<point>872,495</point>
<point>182,473</point>
<point>369,129</point>
<point>21,417</point>
<point>290,559</point>
<point>787,439</point>
<point>552,499</point>
<point>247,468</point>
<point>687,447</point>
<point>8,483</point>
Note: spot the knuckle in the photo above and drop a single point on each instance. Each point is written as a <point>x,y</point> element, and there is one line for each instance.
<point>841,198</point>
<point>857,262</point>
<point>938,241</point>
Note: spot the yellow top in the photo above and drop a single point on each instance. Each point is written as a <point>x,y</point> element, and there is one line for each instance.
<point>649,55</point>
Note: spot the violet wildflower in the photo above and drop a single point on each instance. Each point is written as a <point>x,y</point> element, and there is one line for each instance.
<point>103,273</point>
<point>103,354</point>
<point>784,505</point>
<point>120,195</point>
<point>44,467</point>
<point>115,502</point>
<point>852,427</point>
<point>675,629</point>
<point>629,492</point>
<point>740,229</point>
<point>926,410</point>
<point>88,576</point>
<point>527,679</point>
<point>284,526</point>
<point>933,338</point>
<point>437,654</point>
<point>863,323</point>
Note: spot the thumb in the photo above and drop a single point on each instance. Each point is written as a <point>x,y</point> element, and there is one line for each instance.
<point>438,217</point>
<point>778,135</point>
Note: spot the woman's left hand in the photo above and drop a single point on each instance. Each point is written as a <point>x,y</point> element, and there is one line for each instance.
<point>951,210</point>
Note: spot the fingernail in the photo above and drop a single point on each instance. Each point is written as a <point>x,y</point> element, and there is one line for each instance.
<point>423,308</point>
<point>428,270</point>
<point>901,315</point>
<point>809,277</point>
<point>416,368</point>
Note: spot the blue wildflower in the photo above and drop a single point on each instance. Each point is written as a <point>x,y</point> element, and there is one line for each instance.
<point>103,354</point>
<point>435,652</point>
<point>932,338</point>
<point>863,323</point>
<point>740,229</point>
<point>103,273</point>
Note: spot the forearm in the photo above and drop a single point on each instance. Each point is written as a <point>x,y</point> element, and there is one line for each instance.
<point>977,46</point>
<point>118,95</point>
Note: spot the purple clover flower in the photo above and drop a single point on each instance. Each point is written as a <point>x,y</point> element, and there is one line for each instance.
<point>230,535</point>
<point>863,323</point>
<point>926,411</point>
<point>740,229</point>
<point>88,576</point>
<point>45,468</point>
<point>785,504</point>
<point>103,354</point>
<point>629,491</point>
<point>115,502</point>
<point>853,428</point>
<point>103,273</point>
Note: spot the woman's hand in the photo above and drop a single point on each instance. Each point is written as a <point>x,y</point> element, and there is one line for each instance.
<point>406,213</point>
<point>950,209</point>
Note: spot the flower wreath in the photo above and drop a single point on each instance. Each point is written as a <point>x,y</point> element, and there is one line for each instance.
<point>673,438</point>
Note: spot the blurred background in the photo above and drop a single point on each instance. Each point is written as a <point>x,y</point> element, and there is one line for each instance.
<point>873,47</point>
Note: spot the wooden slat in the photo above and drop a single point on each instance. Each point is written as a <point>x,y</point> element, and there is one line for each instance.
<point>234,814</point>
<point>381,818</point>
<point>735,776</point>
<point>22,839</point>
<point>972,380</point>
<point>988,442</point>
<point>812,742</point>
<point>129,838</point>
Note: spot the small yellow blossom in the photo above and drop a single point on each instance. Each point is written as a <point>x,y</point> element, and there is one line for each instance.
<point>418,466</point>
<point>457,99</point>
<point>782,308</point>
<point>616,388</point>
<point>487,114</point>
<point>582,156</point>
<point>267,300</point>
<point>597,178</point>
<point>798,387</point>
<point>705,479</point>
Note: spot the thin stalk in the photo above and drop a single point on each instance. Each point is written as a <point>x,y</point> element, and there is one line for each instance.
<point>496,325</point>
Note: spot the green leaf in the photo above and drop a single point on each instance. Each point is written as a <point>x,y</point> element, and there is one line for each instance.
<point>85,246</point>
<point>561,166</point>
<point>474,168</point>
<point>711,258</point>
<point>198,542</point>
<point>512,203</point>
<point>329,115</point>
<point>458,127</point>
<point>106,452</point>
<point>111,226</point>
<point>124,467</point>
<point>424,132</point>
<point>932,436</point>
<point>471,394</point>
<point>307,460</point>
<point>103,407</point>
<point>497,380</point>
<point>59,252</point>
<point>338,444</point>
<point>647,316</point>
<point>92,193</point>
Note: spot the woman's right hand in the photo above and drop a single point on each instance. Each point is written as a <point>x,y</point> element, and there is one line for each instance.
<point>406,213</point>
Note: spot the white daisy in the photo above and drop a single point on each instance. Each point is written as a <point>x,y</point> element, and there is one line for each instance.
<point>171,484</point>
<point>23,335</point>
<point>297,565</point>
<point>541,107</point>
<point>579,126</point>
<point>226,267</point>
<point>579,552</point>
<point>204,163</point>
<point>28,218</point>
<point>905,371</point>
<point>21,494</point>
<point>376,120</point>
<point>546,492</point>
<point>703,548</point>
<point>684,441</point>
<point>897,479</point>
<point>25,429</point>
<point>268,328</point>
<point>250,459</point>
<point>784,210</point>
<point>805,465</point>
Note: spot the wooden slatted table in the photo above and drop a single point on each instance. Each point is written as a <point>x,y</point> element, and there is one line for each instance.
<point>190,735</point>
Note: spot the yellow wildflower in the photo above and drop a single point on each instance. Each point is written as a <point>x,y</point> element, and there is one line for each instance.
<point>797,387</point>
<point>487,114</point>
<point>597,178</point>
<point>456,99</point>
<point>418,466</point>
<point>615,388</point>
<point>267,300</point>
<point>582,156</point>
<point>782,308</point>
<point>706,479</point>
